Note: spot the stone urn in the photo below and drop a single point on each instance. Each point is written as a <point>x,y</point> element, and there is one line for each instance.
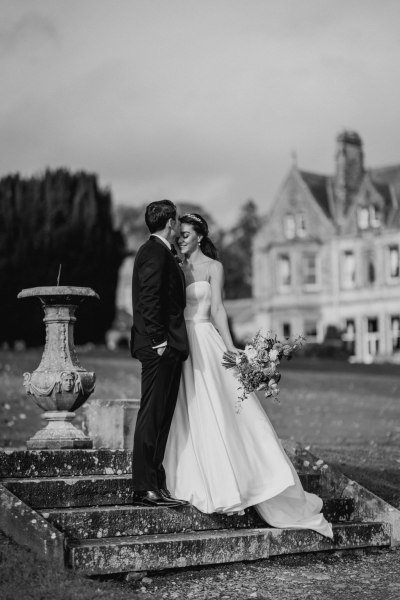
<point>60,385</point>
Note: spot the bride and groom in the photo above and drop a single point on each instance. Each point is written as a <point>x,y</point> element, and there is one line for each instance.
<point>190,443</point>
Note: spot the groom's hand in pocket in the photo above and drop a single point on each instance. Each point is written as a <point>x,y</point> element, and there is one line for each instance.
<point>160,349</point>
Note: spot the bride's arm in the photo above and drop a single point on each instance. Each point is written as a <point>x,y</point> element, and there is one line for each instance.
<point>218,312</point>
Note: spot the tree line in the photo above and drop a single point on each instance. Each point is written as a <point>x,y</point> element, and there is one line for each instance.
<point>68,219</point>
<point>56,218</point>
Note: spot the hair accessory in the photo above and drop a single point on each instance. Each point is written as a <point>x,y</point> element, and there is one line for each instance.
<point>194,217</point>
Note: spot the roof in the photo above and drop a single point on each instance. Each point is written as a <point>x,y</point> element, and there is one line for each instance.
<point>384,190</point>
<point>386,180</point>
<point>389,176</point>
<point>318,185</point>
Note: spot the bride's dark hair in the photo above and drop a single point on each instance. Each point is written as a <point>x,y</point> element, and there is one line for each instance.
<point>200,226</point>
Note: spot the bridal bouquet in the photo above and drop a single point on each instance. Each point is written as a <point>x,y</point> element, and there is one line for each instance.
<point>257,365</point>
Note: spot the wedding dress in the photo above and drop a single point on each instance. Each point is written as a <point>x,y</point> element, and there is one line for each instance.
<point>221,460</point>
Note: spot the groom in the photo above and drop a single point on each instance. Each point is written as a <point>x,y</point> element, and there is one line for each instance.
<point>159,341</point>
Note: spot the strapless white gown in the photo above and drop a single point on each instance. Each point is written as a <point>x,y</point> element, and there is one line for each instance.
<point>221,460</point>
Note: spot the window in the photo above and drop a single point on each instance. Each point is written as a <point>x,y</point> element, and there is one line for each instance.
<point>394,262</point>
<point>289,226</point>
<point>349,336</point>
<point>374,216</point>
<point>301,225</point>
<point>286,330</point>
<point>363,217</point>
<point>284,271</point>
<point>310,330</point>
<point>372,337</point>
<point>369,265</point>
<point>371,271</point>
<point>348,269</point>
<point>395,331</point>
<point>310,274</point>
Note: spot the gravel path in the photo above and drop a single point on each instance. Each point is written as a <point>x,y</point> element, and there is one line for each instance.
<point>373,575</point>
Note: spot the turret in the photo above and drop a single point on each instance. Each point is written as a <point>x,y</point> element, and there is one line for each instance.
<point>349,168</point>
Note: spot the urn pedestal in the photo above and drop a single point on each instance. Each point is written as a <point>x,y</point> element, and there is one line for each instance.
<point>60,385</point>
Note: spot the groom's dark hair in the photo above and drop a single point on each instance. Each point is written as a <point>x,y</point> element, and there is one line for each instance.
<point>158,213</point>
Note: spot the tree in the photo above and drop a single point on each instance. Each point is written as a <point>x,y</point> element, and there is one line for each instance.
<point>57,218</point>
<point>236,252</point>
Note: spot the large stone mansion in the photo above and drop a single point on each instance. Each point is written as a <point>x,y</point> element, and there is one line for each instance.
<point>328,254</point>
<point>326,257</point>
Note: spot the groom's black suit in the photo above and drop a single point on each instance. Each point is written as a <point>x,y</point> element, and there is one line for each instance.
<point>158,298</point>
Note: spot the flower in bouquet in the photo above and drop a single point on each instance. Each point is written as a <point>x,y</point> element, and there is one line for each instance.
<point>250,352</point>
<point>256,367</point>
<point>273,355</point>
<point>270,370</point>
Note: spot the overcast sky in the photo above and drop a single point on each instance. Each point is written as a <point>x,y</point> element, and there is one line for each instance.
<point>196,100</point>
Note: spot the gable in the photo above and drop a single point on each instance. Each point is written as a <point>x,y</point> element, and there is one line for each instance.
<point>371,209</point>
<point>296,202</point>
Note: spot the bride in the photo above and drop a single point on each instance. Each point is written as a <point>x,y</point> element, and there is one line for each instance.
<point>219,460</point>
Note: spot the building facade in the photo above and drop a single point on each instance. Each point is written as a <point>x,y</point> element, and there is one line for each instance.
<point>328,256</point>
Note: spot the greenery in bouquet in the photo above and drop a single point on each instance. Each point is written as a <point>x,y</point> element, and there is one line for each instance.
<point>256,367</point>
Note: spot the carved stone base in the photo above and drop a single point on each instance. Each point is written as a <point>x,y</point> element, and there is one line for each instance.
<point>59,433</point>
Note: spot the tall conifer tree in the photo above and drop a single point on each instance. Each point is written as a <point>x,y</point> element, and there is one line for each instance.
<point>57,218</point>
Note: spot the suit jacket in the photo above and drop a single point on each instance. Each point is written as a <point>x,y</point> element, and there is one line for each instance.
<point>158,299</point>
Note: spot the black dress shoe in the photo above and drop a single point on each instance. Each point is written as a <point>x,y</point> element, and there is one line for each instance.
<point>153,498</point>
<point>167,494</point>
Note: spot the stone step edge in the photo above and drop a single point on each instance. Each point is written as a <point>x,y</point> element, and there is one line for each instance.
<point>179,537</point>
<point>53,463</point>
<point>125,521</point>
<point>15,483</point>
<point>111,490</point>
<point>68,480</point>
<point>367,505</point>
<point>159,552</point>
<point>48,512</point>
<point>17,463</point>
<point>109,477</point>
<point>29,528</point>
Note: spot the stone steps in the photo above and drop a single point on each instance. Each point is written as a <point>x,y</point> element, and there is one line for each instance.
<point>84,497</point>
<point>176,550</point>
<point>64,463</point>
<point>104,490</point>
<point>121,521</point>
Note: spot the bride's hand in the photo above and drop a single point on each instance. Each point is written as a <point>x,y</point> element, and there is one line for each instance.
<point>233,350</point>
